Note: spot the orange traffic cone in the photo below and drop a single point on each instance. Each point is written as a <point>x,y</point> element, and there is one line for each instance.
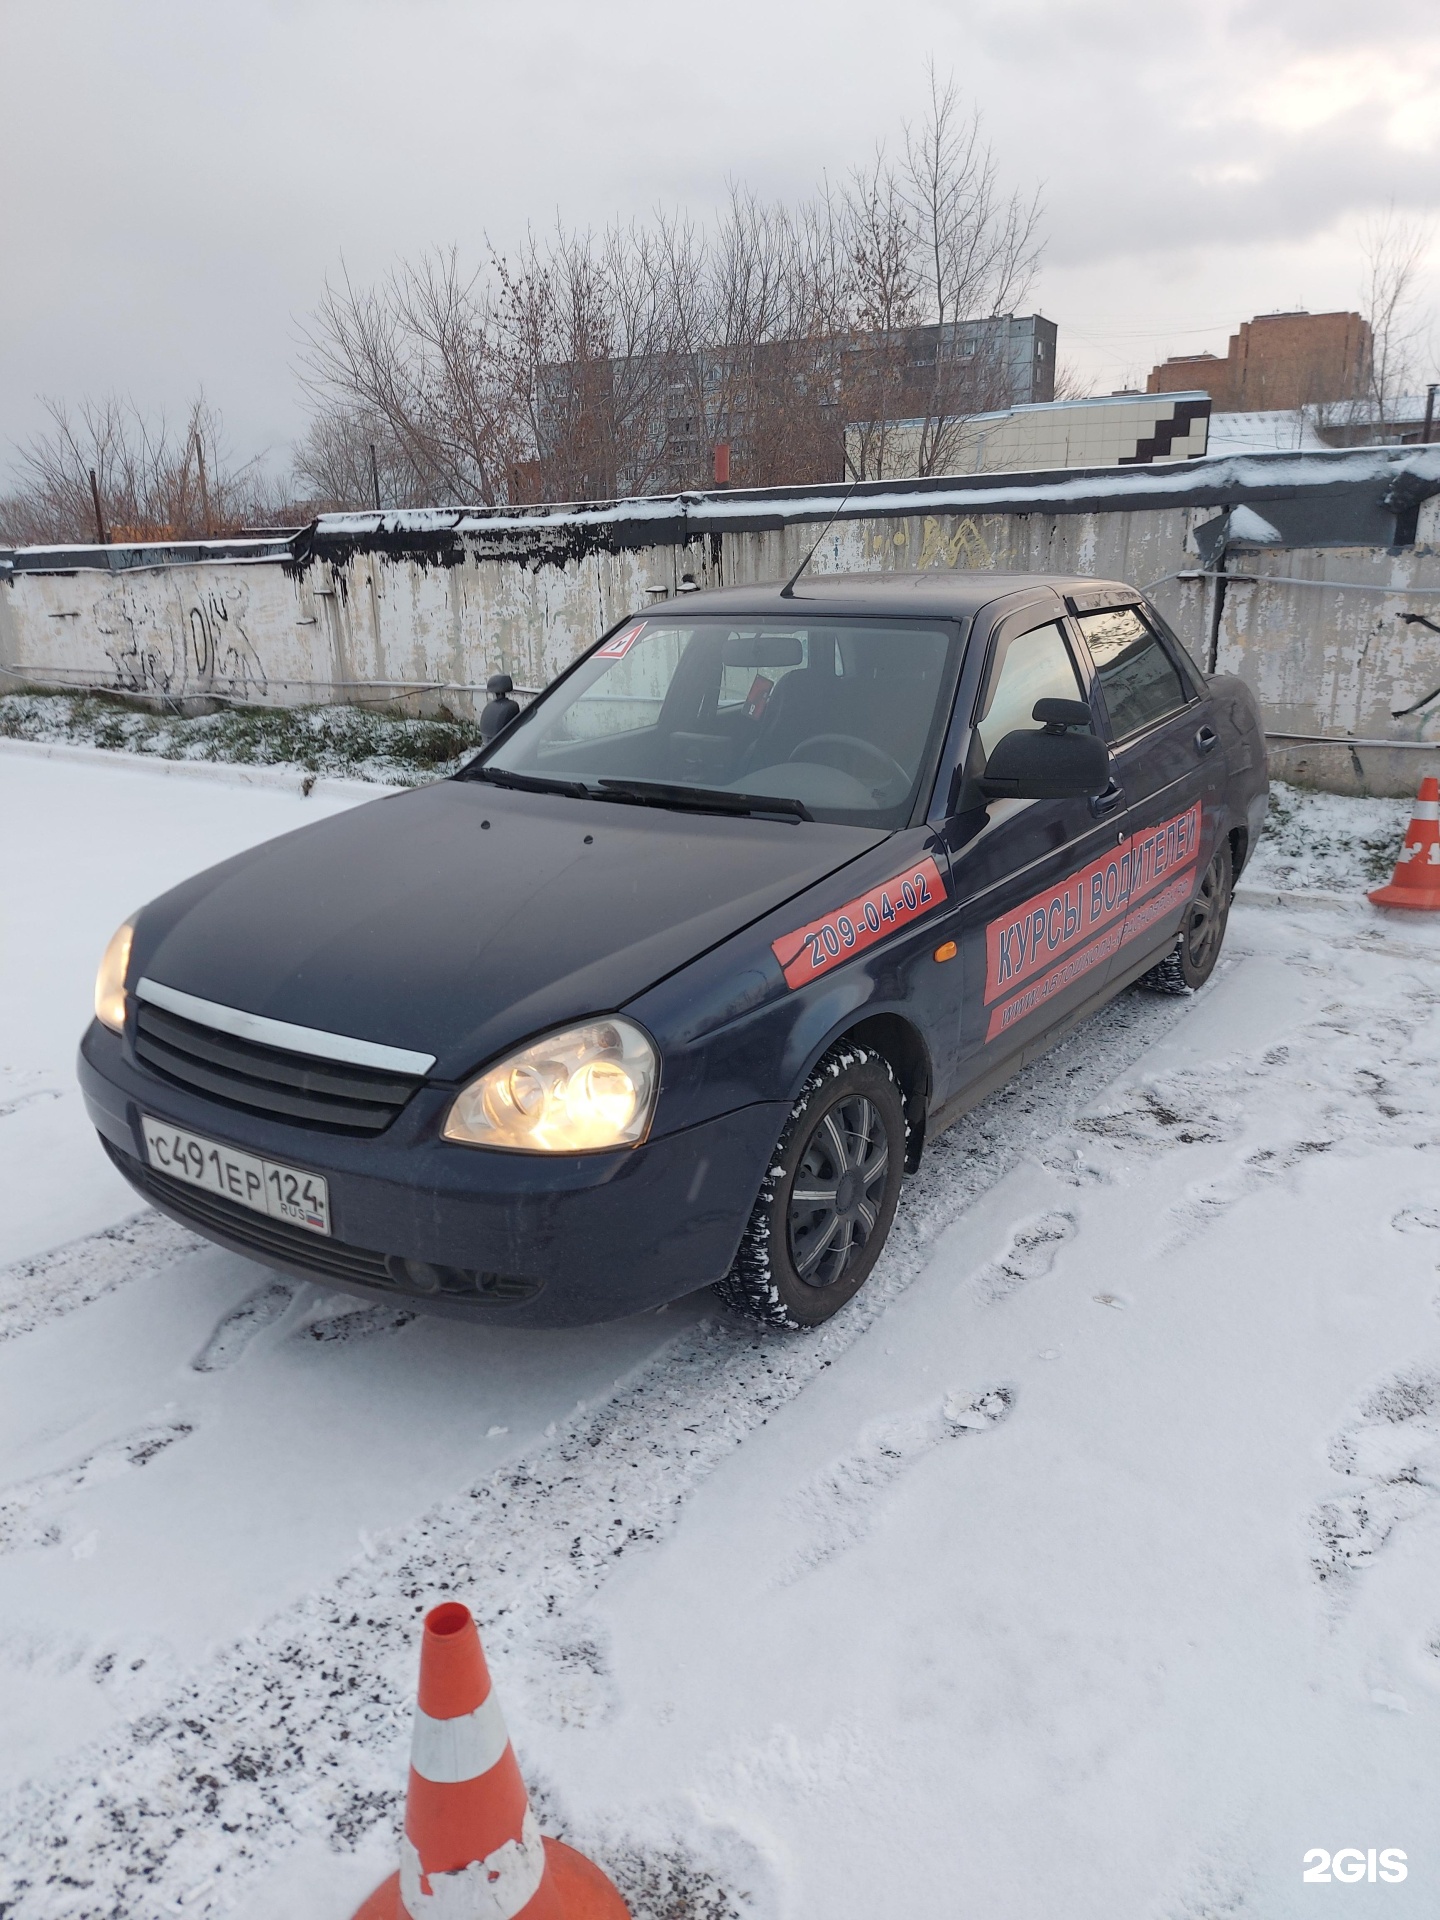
<point>1416,881</point>
<point>472,1848</point>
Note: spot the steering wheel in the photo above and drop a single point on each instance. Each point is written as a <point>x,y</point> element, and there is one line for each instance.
<point>866,749</point>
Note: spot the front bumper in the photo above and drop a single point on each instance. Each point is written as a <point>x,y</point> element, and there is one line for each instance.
<point>552,1240</point>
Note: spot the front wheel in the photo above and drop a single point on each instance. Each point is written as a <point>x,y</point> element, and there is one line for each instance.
<point>1202,932</point>
<point>828,1198</point>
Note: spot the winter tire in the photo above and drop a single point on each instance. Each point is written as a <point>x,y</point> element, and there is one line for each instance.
<point>826,1204</point>
<point>1191,961</point>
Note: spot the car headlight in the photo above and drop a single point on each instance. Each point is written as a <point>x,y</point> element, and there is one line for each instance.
<point>110,980</point>
<point>573,1092</point>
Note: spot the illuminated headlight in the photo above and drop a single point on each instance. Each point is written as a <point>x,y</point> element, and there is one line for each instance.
<point>110,980</point>
<point>573,1092</point>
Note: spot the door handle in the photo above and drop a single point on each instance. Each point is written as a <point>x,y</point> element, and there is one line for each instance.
<point>1206,740</point>
<point>1106,802</point>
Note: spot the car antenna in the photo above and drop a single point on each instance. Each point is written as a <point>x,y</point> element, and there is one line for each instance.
<point>787,592</point>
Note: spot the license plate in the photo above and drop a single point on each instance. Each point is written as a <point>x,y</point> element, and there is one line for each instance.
<point>285,1193</point>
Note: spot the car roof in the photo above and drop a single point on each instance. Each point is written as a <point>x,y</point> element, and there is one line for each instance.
<point>941,595</point>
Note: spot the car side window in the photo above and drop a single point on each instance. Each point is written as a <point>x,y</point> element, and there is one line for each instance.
<point>1141,682</point>
<point>1027,667</point>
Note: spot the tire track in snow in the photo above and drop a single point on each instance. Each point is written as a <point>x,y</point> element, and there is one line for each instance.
<point>354,1322</point>
<point>243,1323</point>
<point>303,1725</point>
<point>28,1516</point>
<point>50,1285</point>
<point>839,1508</point>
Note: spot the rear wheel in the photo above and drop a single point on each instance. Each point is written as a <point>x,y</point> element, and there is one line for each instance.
<point>1191,961</point>
<point>829,1196</point>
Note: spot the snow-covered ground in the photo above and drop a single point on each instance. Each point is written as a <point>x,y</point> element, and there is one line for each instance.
<point>1089,1564</point>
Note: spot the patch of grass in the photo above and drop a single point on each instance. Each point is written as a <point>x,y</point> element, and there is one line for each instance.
<point>1334,842</point>
<point>362,742</point>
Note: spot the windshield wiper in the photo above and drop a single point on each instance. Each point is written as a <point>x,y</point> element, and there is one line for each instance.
<point>665,793</point>
<point>649,793</point>
<point>530,782</point>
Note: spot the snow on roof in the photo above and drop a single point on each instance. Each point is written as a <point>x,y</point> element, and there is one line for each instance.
<point>1290,430</point>
<point>1281,431</point>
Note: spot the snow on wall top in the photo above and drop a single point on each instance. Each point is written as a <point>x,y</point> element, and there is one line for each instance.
<point>1369,476</point>
<point>1221,481</point>
<point>123,556</point>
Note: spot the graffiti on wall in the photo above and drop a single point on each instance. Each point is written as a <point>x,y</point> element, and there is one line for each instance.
<point>964,546</point>
<point>185,644</point>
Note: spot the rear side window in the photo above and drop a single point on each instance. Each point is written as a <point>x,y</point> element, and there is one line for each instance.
<point>1141,682</point>
<point>1027,667</point>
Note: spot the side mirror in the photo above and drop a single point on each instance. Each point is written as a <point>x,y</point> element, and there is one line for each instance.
<point>500,710</point>
<point>1047,766</point>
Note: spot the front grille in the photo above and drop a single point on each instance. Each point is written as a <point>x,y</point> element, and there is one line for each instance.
<point>262,1238</point>
<point>293,1086</point>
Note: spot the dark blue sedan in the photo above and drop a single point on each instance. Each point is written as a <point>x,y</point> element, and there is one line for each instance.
<point>669,986</point>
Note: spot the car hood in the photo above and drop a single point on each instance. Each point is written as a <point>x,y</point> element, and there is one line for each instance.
<point>460,918</point>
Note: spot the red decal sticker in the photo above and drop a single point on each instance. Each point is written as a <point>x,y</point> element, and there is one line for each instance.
<point>813,950</point>
<point>1039,991</point>
<point>1051,939</point>
<point>619,644</point>
<point>760,691</point>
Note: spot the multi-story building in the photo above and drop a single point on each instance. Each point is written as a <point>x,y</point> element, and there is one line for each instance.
<point>1010,358</point>
<point>1276,362</point>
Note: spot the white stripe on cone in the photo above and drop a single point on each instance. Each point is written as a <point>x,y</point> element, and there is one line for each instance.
<point>496,1888</point>
<point>1426,810</point>
<point>447,1751</point>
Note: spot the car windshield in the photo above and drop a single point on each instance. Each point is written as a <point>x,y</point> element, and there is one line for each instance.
<point>840,718</point>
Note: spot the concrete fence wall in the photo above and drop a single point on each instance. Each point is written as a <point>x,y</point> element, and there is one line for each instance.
<point>424,606</point>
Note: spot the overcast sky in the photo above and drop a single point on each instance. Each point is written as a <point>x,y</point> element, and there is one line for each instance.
<point>178,178</point>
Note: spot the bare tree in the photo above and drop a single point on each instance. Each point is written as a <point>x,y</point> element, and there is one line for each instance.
<point>584,364</point>
<point>934,242</point>
<point>762,321</point>
<point>584,327</point>
<point>588,364</point>
<point>1393,249</point>
<point>152,483</point>
<point>1071,384</point>
<point>419,354</point>
<point>346,456</point>
<point>977,251</point>
<point>885,308</point>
